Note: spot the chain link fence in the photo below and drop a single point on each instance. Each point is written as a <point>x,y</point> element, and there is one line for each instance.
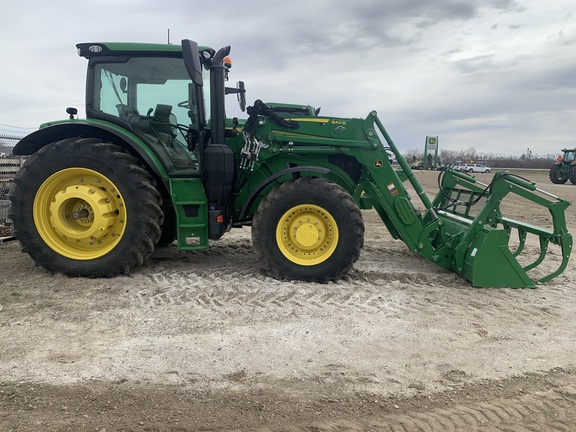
<point>9,166</point>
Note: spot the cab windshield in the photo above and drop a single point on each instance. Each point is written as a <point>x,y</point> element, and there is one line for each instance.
<point>156,97</point>
<point>569,156</point>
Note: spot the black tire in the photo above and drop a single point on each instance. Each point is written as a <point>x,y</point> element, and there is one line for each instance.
<point>169,228</point>
<point>573,174</point>
<point>555,176</point>
<point>85,207</point>
<point>323,215</point>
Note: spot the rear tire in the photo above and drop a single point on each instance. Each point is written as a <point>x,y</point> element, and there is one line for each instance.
<point>555,175</point>
<point>308,229</point>
<point>84,207</point>
<point>169,228</point>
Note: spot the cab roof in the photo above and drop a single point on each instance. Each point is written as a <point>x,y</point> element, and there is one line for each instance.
<point>97,49</point>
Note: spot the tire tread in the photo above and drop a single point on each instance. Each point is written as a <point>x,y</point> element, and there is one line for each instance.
<point>121,260</point>
<point>322,187</point>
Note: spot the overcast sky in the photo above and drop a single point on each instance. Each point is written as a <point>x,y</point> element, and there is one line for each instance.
<point>497,75</point>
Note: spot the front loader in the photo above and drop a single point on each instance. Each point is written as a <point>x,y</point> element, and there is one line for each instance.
<point>151,164</point>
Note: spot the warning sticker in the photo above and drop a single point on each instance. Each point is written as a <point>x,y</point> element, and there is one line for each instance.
<point>392,189</point>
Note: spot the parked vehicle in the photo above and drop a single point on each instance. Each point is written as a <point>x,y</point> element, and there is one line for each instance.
<point>472,168</point>
<point>565,167</point>
<point>417,166</point>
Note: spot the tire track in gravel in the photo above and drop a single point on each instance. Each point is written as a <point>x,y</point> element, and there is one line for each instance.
<point>387,279</point>
<point>399,295</point>
<point>551,410</point>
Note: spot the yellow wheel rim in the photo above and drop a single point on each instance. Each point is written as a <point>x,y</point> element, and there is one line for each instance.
<point>79,214</point>
<point>307,235</point>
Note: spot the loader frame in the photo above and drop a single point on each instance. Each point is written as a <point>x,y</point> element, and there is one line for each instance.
<point>476,245</point>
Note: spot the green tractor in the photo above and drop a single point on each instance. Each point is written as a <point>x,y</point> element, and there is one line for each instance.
<point>156,161</point>
<point>565,168</point>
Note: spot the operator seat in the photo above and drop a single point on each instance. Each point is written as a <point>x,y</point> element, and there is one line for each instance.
<point>163,123</point>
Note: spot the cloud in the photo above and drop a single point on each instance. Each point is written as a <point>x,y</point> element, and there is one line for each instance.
<point>497,70</point>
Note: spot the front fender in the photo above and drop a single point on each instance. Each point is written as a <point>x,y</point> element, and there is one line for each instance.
<point>269,180</point>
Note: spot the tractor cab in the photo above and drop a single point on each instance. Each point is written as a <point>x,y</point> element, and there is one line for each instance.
<point>151,98</point>
<point>569,155</point>
<point>168,103</point>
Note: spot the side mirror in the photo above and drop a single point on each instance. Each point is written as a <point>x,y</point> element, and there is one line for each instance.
<point>241,95</point>
<point>192,61</point>
<point>124,85</point>
<point>240,90</point>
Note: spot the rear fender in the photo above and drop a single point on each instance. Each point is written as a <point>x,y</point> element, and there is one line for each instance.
<point>94,129</point>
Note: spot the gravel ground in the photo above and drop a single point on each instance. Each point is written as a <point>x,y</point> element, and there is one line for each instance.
<point>205,341</point>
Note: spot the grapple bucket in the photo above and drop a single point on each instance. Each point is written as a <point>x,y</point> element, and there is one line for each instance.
<point>485,250</point>
<point>463,228</point>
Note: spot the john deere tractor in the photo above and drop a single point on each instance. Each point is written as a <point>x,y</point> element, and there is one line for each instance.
<point>156,161</point>
<point>565,167</point>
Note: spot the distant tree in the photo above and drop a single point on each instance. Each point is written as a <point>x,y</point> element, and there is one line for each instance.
<point>414,155</point>
<point>449,156</point>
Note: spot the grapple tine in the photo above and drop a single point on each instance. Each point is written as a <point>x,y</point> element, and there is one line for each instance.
<point>521,241</point>
<point>543,249</point>
<point>560,269</point>
<point>565,243</point>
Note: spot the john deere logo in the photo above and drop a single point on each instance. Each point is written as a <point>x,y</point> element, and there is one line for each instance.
<point>378,164</point>
<point>431,140</point>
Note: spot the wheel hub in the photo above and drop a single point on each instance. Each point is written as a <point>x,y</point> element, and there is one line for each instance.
<point>81,211</point>
<point>306,235</point>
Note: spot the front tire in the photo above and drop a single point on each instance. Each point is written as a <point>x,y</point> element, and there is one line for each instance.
<point>308,229</point>
<point>556,176</point>
<point>84,207</point>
